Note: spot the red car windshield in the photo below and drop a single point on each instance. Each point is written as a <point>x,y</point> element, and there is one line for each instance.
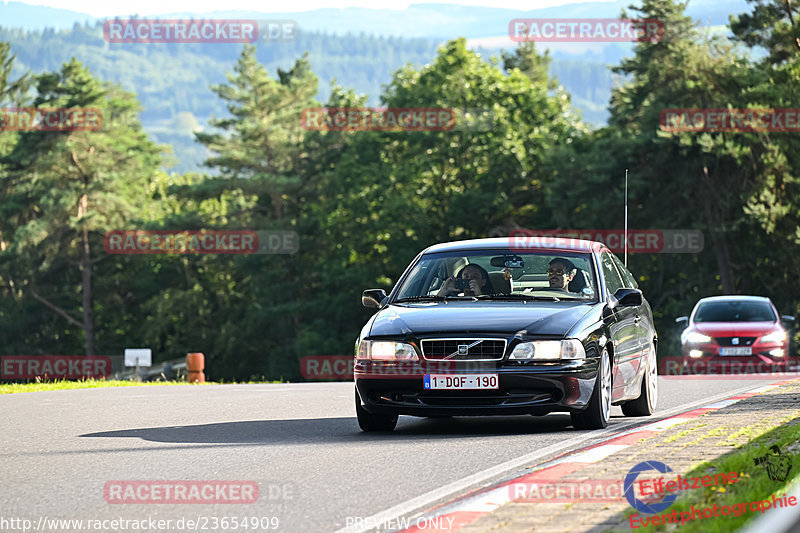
<point>735,311</point>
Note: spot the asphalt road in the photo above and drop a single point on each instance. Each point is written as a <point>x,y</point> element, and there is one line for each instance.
<point>315,469</point>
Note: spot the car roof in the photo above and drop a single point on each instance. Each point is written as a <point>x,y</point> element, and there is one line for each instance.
<point>518,244</point>
<point>735,297</point>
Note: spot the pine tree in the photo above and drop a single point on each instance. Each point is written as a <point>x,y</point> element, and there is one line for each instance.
<point>65,189</point>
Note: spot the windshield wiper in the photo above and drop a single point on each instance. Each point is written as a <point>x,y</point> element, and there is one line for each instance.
<point>518,296</point>
<point>433,298</point>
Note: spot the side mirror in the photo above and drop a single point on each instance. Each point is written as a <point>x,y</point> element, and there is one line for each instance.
<point>628,297</point>
<point>787,318</point>
<point>684,320</point>
<point>373,298</point>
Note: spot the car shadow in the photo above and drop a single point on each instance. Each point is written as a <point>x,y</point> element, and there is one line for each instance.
<point>342,429</point>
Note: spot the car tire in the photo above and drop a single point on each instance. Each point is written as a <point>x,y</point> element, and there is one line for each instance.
<point>597,413</point>
<point>645,404</point>
<point>370,422</point>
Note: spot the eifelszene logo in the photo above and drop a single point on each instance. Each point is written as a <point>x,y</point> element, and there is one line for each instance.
<point>630,495</point>
<point>777,463</point>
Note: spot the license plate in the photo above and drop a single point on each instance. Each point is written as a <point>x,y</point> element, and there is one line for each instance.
<point>736,351</point>
<point>461,381</point>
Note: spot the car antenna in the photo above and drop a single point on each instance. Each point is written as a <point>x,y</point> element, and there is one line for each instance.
<point>626,218</point>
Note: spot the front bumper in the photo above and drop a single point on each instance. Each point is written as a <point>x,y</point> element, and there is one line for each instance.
<point>523,389</point>
<point>735,365</point>
<point>760,350</point>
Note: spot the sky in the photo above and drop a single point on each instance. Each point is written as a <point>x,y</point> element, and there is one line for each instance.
<point>106,8</point>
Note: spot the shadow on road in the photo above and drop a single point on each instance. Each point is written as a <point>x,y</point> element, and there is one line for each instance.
<point>305,431</point>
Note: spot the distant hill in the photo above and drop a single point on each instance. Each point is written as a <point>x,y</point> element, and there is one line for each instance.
<point>359,48</point>
<point>172,80</point>
<point>439,21</point>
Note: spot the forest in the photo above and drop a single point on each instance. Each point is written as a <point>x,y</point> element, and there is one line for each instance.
<point>365,203</point>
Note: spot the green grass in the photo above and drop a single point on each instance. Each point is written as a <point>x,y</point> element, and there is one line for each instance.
<point>753,484</point>
<point>39,386</point>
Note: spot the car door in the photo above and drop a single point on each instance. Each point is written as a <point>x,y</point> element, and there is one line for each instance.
<point>643,321</point>
<point>624,332</point>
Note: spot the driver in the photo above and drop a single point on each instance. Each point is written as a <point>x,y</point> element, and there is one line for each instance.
<point>560,273</point>
<point>479,282</point>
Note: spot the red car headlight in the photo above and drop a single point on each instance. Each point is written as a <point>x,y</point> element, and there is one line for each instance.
<point>778,335</point>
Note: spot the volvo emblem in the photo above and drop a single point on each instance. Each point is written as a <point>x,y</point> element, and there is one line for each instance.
<point>463,349</point>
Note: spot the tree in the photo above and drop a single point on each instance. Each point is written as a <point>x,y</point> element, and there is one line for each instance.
<point>774,25</point>
<point>11,91</point>
<point>64,189</point>
<point>707,173</point>
<point>251,303</point>
<point>533,65</point>
<point>258,141</point>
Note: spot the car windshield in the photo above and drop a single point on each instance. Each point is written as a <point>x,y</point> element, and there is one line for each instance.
<point>735,311</point>
<point>499,275</point>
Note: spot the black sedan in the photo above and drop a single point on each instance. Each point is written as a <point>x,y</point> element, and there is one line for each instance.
<point>504,326</point>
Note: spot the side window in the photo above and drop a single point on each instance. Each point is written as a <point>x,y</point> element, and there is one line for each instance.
<point>613,280</point>
<point>627,277</point>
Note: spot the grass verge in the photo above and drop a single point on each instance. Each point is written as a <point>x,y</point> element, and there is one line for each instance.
<point>64,384</point>
<point>39,386</point>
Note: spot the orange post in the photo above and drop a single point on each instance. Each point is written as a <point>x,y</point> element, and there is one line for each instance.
<point>195,364</point>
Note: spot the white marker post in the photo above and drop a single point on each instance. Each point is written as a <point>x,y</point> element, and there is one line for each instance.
<point>138,357</point>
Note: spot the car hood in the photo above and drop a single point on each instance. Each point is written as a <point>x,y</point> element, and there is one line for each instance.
<point>734,329</point>
<point>539,318</point>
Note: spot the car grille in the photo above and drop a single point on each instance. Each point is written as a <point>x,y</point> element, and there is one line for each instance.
<point>728,341</point>
<point>464,349</point>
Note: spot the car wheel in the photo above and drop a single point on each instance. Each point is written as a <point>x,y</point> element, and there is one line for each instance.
<point>369,422</point>
<point>596,414</point>
<point>645,404</point>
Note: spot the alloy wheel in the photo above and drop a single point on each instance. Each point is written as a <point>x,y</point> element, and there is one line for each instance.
<point>605,386</point>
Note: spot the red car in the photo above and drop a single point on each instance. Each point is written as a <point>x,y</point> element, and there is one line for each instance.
<point>736,334</point>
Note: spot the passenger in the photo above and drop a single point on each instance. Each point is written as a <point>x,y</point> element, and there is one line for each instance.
<point>479,282</point>
<point>560,273</point>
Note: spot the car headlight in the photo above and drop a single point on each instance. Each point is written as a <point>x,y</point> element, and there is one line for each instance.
<point>548,350</point>
<point>386,351</point>
<point>697,338</point>
<point>775,336</point>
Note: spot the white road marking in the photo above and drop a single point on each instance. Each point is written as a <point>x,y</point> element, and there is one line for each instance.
<point>720,405</point>
<point>594,454</point>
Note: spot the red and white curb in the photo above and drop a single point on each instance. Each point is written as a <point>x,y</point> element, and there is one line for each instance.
<point>464,511</point>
